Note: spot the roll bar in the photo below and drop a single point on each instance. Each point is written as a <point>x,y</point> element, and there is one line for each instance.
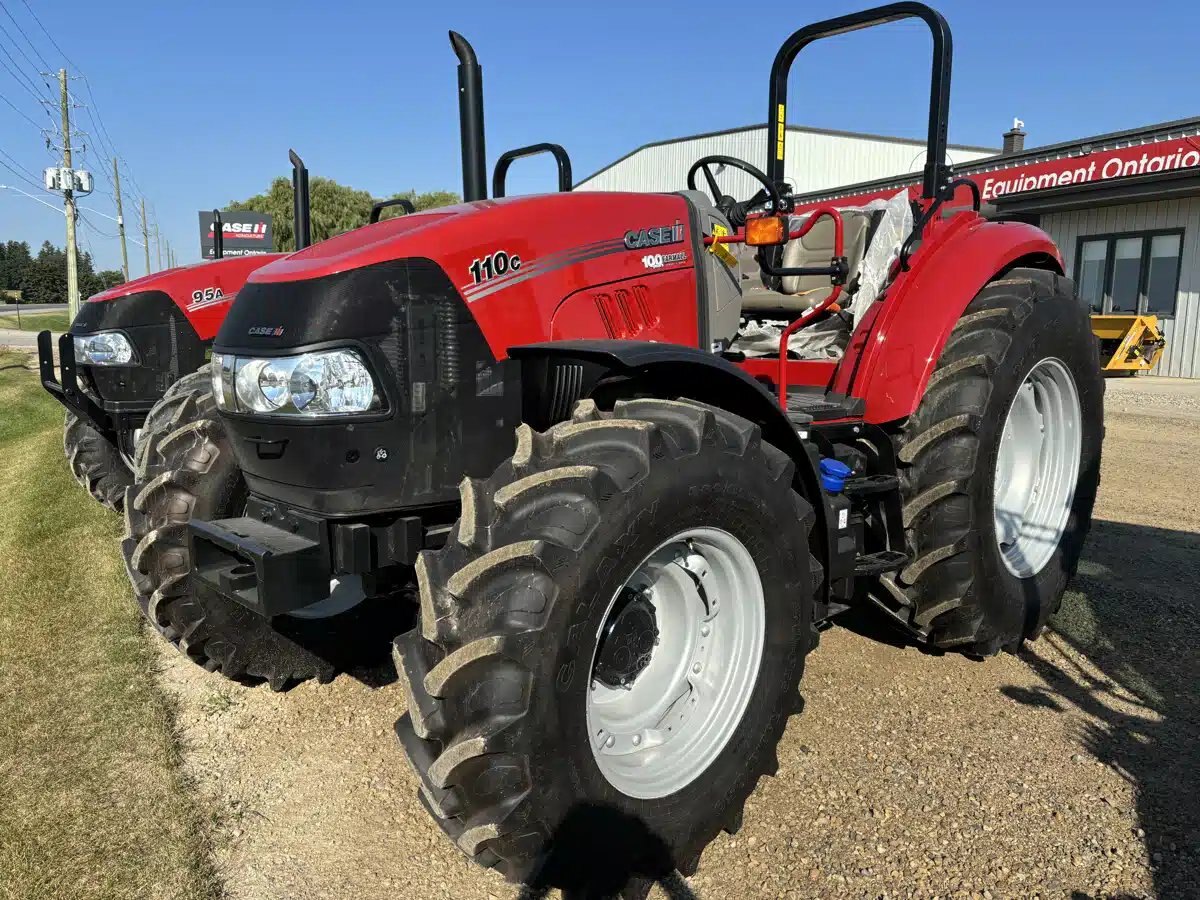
<point>470,119</point>
<point>509,157</point>
<point>936,171</point>
<point>377,208</point>
<point>218,235</point>
<point>300,201</point>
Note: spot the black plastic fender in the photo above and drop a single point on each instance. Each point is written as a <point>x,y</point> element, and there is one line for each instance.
<point>554,375</point>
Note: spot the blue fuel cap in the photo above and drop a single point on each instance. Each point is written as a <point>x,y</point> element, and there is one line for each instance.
<point>834,474</point>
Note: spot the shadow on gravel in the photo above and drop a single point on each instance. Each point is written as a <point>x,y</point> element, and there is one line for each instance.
<point>601,853</point>
<point>1133,611</point>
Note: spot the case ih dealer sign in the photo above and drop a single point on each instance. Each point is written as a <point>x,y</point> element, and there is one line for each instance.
<point>246,234</point>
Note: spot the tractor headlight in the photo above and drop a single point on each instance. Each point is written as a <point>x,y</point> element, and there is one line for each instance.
<point>104,348</point>
<point>329,383</point>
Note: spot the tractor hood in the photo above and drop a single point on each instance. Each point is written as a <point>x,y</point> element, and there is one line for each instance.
<point>513,263</point>
<point>202,292</point>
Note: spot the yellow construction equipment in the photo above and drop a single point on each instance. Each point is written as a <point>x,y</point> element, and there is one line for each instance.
<point>1128,344</point>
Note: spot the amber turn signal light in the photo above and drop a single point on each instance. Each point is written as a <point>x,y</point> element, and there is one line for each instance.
<point>763,231</point>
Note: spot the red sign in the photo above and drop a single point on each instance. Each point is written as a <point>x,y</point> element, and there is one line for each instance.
<point>1084,168</point>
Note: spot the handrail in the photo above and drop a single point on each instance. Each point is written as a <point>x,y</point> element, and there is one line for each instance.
<point>561,159</point>
<point>377,208</point>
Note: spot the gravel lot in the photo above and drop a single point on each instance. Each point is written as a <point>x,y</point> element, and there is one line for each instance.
<point>1070,771</point>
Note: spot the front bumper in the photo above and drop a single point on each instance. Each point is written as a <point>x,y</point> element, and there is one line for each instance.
<point>112,418</point>
<point>275,559</point>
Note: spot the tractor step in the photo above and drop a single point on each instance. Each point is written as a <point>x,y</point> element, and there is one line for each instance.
<point>822,407</point>
<point>871,484</point>
<point>879,563</point>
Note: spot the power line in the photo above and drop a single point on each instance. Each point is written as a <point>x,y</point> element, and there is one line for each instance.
<point>46,33</point>
<point>17,110</point>
<point>31,175</point>
<point>18,46</point>
<point>92,225</point>
<point>30,87</point>
<point>15,171</point>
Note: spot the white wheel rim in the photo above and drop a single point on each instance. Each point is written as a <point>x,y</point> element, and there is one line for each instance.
<point>1037,468</point>
<point>660,733</point>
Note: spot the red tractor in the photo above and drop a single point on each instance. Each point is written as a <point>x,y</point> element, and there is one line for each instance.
<point>132,344</point>
<point>629,488</point>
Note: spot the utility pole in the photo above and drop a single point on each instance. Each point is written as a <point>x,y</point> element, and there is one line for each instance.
<point>157,247</point>
<point>145,236</point>
<point>69,194</point>
<point>120,219</point>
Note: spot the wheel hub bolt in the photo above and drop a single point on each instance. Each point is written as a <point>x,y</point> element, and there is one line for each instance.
<point>704,629</point>
<point>696,668</point>
<point>637,739</point>
<point>610,741</point>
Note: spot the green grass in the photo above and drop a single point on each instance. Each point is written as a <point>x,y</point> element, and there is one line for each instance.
<point>55,321</point>
<point>93,802</point>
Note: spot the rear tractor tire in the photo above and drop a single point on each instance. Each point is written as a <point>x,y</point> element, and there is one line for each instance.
<point>186,468</point>
<point>96,462</point>
<point>999,467</point>
<point>610,645</point>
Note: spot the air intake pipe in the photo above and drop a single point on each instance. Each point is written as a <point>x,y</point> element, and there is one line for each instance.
<point>470,117</point>
<point>300,219</point>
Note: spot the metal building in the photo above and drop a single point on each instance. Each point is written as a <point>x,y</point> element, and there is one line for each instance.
<point>816,159</point>
<point>1124,209</point>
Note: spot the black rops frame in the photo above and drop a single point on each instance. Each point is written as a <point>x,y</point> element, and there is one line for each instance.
<point>300,215</point>
<point>936,171</point>
<point>561,159</point>
<point>218,235</point>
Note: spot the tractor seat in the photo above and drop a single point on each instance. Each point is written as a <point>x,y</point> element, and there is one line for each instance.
<point>814,249</point>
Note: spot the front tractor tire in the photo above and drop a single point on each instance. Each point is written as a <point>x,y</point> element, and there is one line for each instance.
<point>610,644</point>
<point>96,462</point>
<point>186,469</point>
<point>999,467</point>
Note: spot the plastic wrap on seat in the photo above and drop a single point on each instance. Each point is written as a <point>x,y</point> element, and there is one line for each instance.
<point>882,252</point>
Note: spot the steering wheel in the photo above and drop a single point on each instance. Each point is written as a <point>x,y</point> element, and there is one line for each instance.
<point>733,210</point>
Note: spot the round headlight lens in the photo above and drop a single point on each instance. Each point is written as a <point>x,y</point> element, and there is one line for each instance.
<point>246,385</point>
<point>273,382</point>
<point>306,379</point>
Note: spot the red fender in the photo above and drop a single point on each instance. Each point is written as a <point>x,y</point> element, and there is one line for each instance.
<point>893,353</point>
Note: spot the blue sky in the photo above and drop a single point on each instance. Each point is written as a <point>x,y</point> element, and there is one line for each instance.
<point>203,99</point>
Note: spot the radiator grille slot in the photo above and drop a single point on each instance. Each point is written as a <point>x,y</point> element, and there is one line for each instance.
<point>626,312</point>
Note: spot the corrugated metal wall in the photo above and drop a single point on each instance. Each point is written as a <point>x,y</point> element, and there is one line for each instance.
<point>815,161</point>
<point>1182,356</point>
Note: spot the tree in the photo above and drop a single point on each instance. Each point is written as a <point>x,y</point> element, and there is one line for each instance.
<point>335,208</point>
<point>110,278</point>
<point>15,262</point>
<point>46,278</point>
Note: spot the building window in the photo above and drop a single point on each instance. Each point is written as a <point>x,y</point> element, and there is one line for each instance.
<point>1130,273</point>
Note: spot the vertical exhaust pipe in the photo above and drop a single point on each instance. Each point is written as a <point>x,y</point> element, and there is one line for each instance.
<point>470,118</point>
<point>218,235</point>
<point>300,221</point>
